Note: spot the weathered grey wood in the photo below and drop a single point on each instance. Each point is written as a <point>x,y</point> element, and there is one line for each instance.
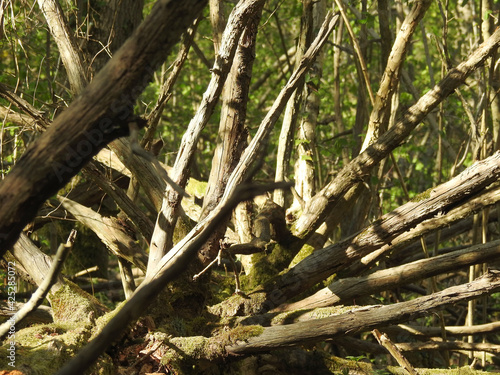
<point>63,36</point>
<point>39,295</point>
<point>163,232</point>
<point>317,208</point>
<point>448,224</point>
<point>448,345</point>
<point>233,133</point>
<point>251,155</point>
<point>365,318</point>
<point>293,106</point>
<point>332,259</point>
<point>388,279</point>
<point>379,117</point>
<point>43,314</point>
<point>170,269</point>
<point>110,232</point>
<point>100,114</point>
<point>133,212</point>
<point>432,203</point>
<point>36,263</point>
<point>415,330</point>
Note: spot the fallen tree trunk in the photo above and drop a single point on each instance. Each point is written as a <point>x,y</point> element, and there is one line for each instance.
<point>388,279</point>
<point>451,224</point>
<point>365,318</point>
<point>330,260</point>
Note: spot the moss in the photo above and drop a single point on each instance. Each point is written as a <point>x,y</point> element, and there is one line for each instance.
<point>280,257</point>
<point>181,229</point>
<point>196,188</point>
<point>304,252</point>
<point>424,195</point>
<point>347,366</point>
<point>294,316</point>
<point>239,305</point>
<point>71,304</point>
<point>222,286</point>
<point>187,355</point>
<point>101,322</point>
<point>241,333</point>
<point>43,349</point>
<point>266,266</point>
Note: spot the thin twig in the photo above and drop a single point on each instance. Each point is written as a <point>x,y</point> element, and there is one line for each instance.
<point>42,291</point>
<point>357,50</point>
<point>384,340</point>
<point>216,260</point>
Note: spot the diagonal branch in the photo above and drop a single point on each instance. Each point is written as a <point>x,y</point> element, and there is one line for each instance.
<point>100,114</point>
<point>379,117</point>
<point>332,259</point>
<point>70,56</point>
<point>110,232</point>
<point>317,208</point>
<point>42,291</point>
<point>388,279</point>
<point>254,150</point>
<point>162,235</point>
<point>176,263</point>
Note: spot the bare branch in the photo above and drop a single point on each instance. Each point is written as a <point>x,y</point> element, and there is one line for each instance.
<point>365,318</point>
<point>42,291</point>
<point>170,269</point>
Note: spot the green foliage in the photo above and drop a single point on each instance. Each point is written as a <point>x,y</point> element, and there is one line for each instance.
<point>30,66</point>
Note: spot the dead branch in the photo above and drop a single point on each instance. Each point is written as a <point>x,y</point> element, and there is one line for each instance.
<point>386,342</point>
<point>318,207</point>
<point>388,279</point>
<point>110,230</point>
<point>99,115</point>
<point>365,318</point>
<point>170,268</point>
<point>332,259</point>
<point>42,291</point>
<point>162,234</point>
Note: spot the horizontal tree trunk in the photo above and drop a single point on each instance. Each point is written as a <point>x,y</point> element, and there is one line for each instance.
<point>388,279</point>
<point>365,318</point>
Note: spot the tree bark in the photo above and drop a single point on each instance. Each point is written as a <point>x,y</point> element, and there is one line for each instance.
<point>365,318</point>
<point>293,106</point>
<point>60,31</point>
<point>100,114</point>
<point>233,133</point>
<point>317,208</point>
<point>379,118</point>
<point>162,235</point>
<point>346,290</point>
<point>170,268</point>
<point>111,232</point>
<point>333,259</point>
<point>305,171</point>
